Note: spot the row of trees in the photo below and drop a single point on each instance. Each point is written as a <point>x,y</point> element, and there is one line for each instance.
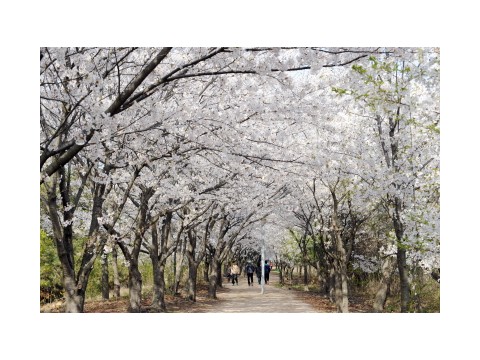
<point>178,152</point>
<point>373,201</point>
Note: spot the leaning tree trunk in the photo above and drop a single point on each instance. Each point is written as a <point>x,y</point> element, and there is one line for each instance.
<point>388,269</point>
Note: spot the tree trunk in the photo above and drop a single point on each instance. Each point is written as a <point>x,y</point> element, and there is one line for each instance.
<point>212,277</point>
<point>192,282</point>
<point>158,301</point>
<point>401,258</point>
<point>305,274</point>
<point>206,271</point>
<point>135,288</point>
<point>174,267</point>
<point>178,264</point>
<point>73,299</point>
<point>105,286</point>
<point>341,296</point>
<point>331,283</point>
<point>321,278</point>
<point>404,281</point>
<point>388,269</point>
<point>219,274</point>
<point>74,296</point>
<point>194,259</point>
<point>280,271</point>
<point>116,278</point>
<point>340,262</point>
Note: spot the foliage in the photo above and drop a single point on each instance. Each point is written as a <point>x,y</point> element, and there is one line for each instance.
<point>50,270</point>
<point>94,288</point>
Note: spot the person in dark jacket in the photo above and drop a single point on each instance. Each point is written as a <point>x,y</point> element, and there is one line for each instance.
<point>258,271</point>
<point>250,269</point>
<point>267,272</point>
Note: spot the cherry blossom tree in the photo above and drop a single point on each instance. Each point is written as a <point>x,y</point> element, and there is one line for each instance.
<point>147,149</point>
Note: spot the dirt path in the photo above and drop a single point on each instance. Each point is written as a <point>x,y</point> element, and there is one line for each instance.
<point>230,299</point>
<point>248,299</point>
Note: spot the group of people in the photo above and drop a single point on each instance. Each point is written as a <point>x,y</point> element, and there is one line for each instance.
<point>250,269</point>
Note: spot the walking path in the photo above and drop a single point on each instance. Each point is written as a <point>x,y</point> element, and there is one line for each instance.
<point>248,299</point>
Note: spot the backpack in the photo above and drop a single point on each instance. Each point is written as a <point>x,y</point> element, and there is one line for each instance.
<point>250,269</point>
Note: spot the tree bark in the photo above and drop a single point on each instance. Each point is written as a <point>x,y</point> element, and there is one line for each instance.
<point>178,265</point>
<point>116,278</point>
<point>401,258</point>
<point>219,274</point>
<point>340,262</point>
<point>158,301</point>
<point>74,286</point>
<point>212,279</point>
<point>206,270</point>
<point>134,276</point>
<point>135,288</point>
<point>305,274</point>
<point>404,281</point>
<point>388,269</point>
<point>192,282</point>
<point>194,259</point>
<point>331,282</point>
<point>74,299</point>
<point>159,254</point>
<point>105,286</point>
<point>321,277</point>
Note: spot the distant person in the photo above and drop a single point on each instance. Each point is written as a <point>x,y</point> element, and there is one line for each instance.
<point>258,271</point>
<point>229,273</point>
<point>250,269</point>
<point>235,271</point>
<point>267,272</point>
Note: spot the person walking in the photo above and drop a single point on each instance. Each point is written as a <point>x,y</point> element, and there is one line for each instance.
<point>250,269</point>
<point>235,271</point>
<point>258,271</point>
<point>267,272</point>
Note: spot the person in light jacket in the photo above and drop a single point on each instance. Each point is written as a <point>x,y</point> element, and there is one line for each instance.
<point>235,271</point>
